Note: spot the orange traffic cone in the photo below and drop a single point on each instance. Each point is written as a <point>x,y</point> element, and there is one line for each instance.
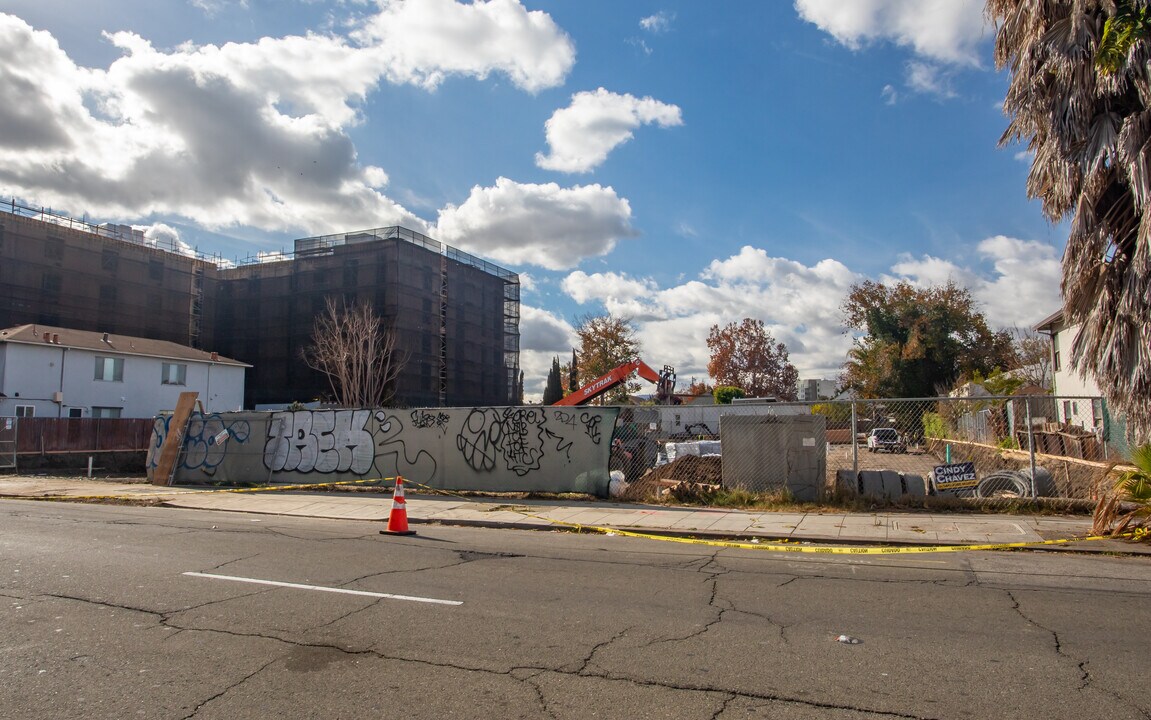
<point>398,518</point>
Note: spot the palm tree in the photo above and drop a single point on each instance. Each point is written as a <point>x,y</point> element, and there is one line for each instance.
<point>1080,97</point>
<point>1133,490</point>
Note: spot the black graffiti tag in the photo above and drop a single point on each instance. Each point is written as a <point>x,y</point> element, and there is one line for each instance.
<point>425,419</point>
<point>479,438</point>
<point>591,426</point>
<point>522,437</point>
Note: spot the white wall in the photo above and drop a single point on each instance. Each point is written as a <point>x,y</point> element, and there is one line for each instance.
<point>1069,383</point>
<point>36,372</point>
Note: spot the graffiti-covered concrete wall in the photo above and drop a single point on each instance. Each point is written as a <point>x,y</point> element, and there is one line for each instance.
<point>495,449</point>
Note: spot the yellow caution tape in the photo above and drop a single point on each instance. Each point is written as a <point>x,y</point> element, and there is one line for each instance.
<point>837,549</point>
<point>780,546</point>
<point>794,548</point>
<point>166,491</point>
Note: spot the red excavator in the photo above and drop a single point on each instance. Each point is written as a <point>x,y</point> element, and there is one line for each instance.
<point>664,383</point>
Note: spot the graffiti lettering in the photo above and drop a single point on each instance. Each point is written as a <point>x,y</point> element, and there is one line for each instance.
<point>201,450</point>
<point>562,445</point>
<point>591,426</point>
<point>522,436</point>
<point>562,417</point>
<point>425,419</point>
<point>392,457</point>
<point>324,441</point>
<point>478,440</point>
<point>504,448</point>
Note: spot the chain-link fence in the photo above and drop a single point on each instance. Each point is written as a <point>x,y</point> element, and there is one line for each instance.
<point>7,443</point>
<point>983,447</point>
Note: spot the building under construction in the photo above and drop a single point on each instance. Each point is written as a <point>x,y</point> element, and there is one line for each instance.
<point>456,316</point>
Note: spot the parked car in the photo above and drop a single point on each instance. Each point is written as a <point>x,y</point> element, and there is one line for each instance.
<point>887,439</point>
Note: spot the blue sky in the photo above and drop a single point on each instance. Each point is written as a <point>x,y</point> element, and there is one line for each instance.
<point>683,164</point>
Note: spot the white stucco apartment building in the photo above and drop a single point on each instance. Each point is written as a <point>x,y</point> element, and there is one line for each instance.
<point>58,372</point>
<point>1070,388</point>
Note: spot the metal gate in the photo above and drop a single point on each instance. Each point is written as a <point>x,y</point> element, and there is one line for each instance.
<point>8,442</point>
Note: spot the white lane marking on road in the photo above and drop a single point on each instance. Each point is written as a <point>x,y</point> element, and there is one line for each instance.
<point>321,588</point>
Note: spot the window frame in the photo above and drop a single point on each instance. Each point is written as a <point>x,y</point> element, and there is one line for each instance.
<point>102,367</point>
<point>181,379</point>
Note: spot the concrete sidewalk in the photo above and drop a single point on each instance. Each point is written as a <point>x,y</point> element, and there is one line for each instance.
<point>828,527</point>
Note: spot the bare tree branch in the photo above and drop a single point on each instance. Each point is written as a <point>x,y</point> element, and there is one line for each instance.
<point>356,353</point>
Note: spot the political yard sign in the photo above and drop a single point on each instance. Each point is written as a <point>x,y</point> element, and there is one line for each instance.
<point>955,476</point>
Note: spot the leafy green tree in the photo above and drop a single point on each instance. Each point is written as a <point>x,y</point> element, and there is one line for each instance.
<point>1080,97</point>
<point>606,342</point>
<point>834,412</point>
<point>998,382</point>
<point>553,393</point>
<point>747,356</point>
<point>724,394</point>
<point>917,339</point>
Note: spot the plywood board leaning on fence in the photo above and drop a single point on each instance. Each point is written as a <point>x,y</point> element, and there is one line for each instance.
<point>174,440</point>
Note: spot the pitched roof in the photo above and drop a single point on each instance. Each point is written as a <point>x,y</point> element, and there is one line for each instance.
<point>1050,323</point>
<point>110,343</point>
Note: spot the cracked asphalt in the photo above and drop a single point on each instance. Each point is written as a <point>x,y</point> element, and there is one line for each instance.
<point>98,620</point>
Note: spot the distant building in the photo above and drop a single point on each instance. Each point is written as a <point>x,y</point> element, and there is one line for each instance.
<point>456,316</point>
<point>1075,392</point>
<point>50,371</point>
<point>813,390</point>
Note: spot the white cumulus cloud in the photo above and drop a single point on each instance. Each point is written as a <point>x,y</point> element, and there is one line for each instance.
<point>424,41</point>
<point>1021,289</point>
<point>245,134</point>
<point>595,123</point>
<point>1016,283</point>
<point>942,34</point>
<point>537,224</point>
<point>946,31</point>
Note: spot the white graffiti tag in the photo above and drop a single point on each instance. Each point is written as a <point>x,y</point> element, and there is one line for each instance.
<point>324,441</point>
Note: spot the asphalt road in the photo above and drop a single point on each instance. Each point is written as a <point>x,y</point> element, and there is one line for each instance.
<point>100,618</point>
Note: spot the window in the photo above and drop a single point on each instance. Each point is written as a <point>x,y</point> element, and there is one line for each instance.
<point>109,369</point>
<point>174,374</point>
<point>1055,353</point>
<point>156,269</point>
<point>351,272</point>
<point>110,260</point>
<point>25,411</point>
<point>51,283</point>
<point>106,412</point>
<point>54,249</point>
<point>75,412</point>
<point>108,294</point>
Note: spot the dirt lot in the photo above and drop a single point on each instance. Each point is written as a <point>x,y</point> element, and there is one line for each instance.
<point>708,470</point>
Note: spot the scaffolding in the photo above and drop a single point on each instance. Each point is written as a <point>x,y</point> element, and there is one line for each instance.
<point>456,316</point>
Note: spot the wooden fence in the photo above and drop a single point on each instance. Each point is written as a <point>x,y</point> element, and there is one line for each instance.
<point>57,436</point>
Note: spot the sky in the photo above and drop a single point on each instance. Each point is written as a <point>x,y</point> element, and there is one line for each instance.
<point>680,164</point>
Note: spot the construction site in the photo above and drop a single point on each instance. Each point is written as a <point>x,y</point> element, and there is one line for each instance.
<point>455,316</point>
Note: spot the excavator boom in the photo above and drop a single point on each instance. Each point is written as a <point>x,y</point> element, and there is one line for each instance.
<point>664,380</point>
